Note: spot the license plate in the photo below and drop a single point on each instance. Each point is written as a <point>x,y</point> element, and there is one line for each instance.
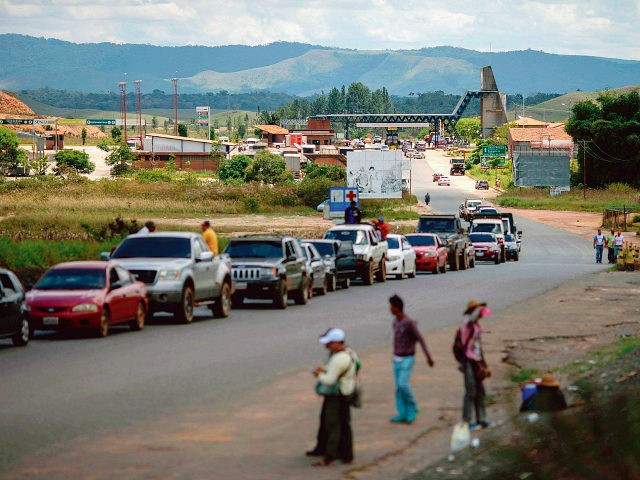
<point>50,320</point>
<point>241,286</point>
<point>480,254</point>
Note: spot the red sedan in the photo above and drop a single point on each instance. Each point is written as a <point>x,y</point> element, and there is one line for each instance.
<point>86,295</point>
<point>431,253</point>
<point>486,246</point>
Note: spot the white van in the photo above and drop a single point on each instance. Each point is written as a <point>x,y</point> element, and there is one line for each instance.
<point>250,142</point>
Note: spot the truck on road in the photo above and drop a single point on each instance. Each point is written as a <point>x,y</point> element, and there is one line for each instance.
<point>461,254</point>
<point>457,166</point>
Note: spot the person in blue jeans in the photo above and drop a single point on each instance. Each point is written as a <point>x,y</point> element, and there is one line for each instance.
<point>405,337</point>
<point>598,243</point>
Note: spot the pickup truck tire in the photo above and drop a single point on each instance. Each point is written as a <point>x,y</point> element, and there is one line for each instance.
<point>281,298</point>
<point>464,264</point>
<point>184,310</point>
<point>381,274</point>
<point>302,295</point>
<point>455,261</point>
<point>368,276</point>
<point>105,318</point>
<point>222,307</point>
<point>332,283</point>
<point>498,260</point>
<point>137,323</point>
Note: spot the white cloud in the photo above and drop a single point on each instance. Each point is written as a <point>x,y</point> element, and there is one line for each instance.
<point>583,27</point>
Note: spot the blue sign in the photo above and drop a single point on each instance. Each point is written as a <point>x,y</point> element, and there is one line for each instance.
<point>341,197</point>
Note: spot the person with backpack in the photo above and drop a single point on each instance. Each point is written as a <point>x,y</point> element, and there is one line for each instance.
<point>467,349</point>
<point>405,337</point>
<point>336,384</point>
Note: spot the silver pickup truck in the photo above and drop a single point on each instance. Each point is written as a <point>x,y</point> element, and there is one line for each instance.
<point>180,272</point>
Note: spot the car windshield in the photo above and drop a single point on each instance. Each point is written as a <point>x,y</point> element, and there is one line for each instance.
<point>72,279</point>
<point>357,237</point>
<point>436,225</point>
<point>271,249</point>
<point>153,246</point>
<point>473,204</point>
<point>482,237</point>
<point>486,227</point>
<point>487,210</point>
<point>324,248</point>
<point>509,238</point>
<point>421,240</point>
<point>392,242</point>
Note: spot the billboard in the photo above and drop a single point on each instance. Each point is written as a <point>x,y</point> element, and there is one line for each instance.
<point>541,170</point>
<point>375,173</point>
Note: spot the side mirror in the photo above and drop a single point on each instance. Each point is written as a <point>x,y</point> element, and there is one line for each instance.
<point>205,257</point>
<point>105,256</point>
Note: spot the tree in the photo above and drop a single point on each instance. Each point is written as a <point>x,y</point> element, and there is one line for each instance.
<point>121,160</point>
<point>332,172</point>
<point>268,168</point>
<point>11,155</point>
<point>83,134</point>
<point>469,129</point>
<point>234,169</point>
<point>154,122</point>
<point>608,134</point>
<point>242,129</point>
<point>79,161</point>
<point>116,133</point>
<point>182,130</point>
<point>358,98</point>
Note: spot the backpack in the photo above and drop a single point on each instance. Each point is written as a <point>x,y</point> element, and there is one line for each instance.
<point>458,347</point>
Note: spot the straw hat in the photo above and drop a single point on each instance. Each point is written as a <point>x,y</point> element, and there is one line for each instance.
<point>473,304</point>
<point>547,380</point>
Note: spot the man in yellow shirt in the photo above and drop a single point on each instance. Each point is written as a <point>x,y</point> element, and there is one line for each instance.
<point>210,236</point>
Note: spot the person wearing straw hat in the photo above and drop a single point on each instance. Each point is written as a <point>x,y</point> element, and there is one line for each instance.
<point>473,366</point>
<point>547,398</point>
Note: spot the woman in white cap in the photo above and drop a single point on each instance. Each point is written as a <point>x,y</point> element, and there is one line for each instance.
<point>335,439</point>
<point>474,367</point>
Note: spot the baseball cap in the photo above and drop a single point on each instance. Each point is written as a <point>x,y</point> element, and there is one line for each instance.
<point>332,335</point>
<point>381,218</point>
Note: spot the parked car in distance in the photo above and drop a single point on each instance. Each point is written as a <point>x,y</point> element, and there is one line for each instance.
<point>319,281</point>
<point>512,246</point>
<point>482,185</point>
<point>418,154</point>
<point>268,267</point>
<point>87,295</point>
<point>431,252</point>
<point>401,258</point>
<point>436,176</point>
<point>377,139</point>
<point>321,205</point>
<point>384,147</point>
<point>444,181</point>
<point>14,324</point>
<point>487,246</point>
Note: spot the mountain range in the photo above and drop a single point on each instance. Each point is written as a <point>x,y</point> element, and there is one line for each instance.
<point>296,68</point>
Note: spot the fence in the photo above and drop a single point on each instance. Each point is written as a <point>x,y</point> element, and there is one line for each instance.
<point>616,218</point>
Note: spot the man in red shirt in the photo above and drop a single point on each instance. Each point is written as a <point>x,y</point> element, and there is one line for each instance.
<point>405,337</point>
<point>384,228</point>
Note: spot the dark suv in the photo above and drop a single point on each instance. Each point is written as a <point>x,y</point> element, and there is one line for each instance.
<point>13,324</point>
<point>268,266</point>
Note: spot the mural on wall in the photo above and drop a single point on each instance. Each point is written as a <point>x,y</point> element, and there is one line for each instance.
<point>376,174</point>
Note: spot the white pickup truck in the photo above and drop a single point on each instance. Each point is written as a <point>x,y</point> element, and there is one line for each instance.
<point>370,253</point>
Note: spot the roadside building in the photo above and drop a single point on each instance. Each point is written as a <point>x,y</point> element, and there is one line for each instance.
<point>317,133</point>
<point>187,153</point>
<point>274,135</point>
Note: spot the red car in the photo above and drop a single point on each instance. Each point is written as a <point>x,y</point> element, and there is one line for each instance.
<point>86,295</point>
<point>431,253</point>
<point>486,246</point>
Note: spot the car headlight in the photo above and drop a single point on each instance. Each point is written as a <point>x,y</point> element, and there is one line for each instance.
<point>169,275</point>
<point>429,254</point>
<point>85,307</point>
<point>394,258</point>
<point>270,272</point>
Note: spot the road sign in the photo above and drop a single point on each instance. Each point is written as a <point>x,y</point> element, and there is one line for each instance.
<point>15,121</point>
<point>44,121</point>
<point>341,197</point>
<point>494,150</point>
<point>100,121</point>
<point>131,123</point>
<point>72,121</point>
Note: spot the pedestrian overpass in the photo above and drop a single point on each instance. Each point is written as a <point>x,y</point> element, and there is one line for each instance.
<point>492,112</point>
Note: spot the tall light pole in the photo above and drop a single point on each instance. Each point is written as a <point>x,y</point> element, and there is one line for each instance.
<point>174,81</point>
<point>137,84</point>
<point>123,106</point>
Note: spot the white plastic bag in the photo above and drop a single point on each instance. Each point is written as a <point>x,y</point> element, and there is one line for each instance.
<point>461,437</point>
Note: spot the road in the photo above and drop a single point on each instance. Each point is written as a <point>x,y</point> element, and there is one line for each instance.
<point>62,388</point>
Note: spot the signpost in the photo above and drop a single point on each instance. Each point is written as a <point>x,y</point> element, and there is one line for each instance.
<point>340,198</point>
<point>494,150</point>
<point>204,118</point>
<point>15,121</point>
<point>100,121</point>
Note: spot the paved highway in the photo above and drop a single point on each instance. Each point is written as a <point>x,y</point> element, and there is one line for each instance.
<point>65,387</point>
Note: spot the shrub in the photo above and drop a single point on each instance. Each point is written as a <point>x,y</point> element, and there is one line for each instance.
<point>233,169</point>
<point>251,204</point>
<point>75,159</point>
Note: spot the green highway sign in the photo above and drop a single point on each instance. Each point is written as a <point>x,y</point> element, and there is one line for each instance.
<point>100,121</point>
<point>15,121</point>
<point>494,150</point>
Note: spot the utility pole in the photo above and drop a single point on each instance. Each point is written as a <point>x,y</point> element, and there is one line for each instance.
<point>123,106</point>
<point>175,105</point>
<point>584,167</point>
<point>137,84</point>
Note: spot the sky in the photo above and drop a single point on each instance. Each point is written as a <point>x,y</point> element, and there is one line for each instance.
<point>605,28</point>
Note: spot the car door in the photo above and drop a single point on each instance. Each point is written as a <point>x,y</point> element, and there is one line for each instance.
<point>129,291</point>
<point>317,266</point>
<point>294,261</point>
<point>202,270</point>
<point>408,253</point>
<point>116,296</point>
<point>441,252</point>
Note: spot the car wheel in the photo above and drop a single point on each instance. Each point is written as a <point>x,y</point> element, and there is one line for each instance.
<point>412,274</point>
<point>498,260</point>
<point>444,268</point>
<point>137,323</point>
<point>222,307</point>
<point>184,311</point>
<point>282,296</point>
<point>401,275</point>
<point>465,259</point>
<point>105,318</point>
<point>368,277</point>
<point>302,295</point>
<point>346,283</point>
<point>332,283</point>
<point>325,286</point>
<point>455,262</point>
<point>21,338</point>
<point>381,275</point>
